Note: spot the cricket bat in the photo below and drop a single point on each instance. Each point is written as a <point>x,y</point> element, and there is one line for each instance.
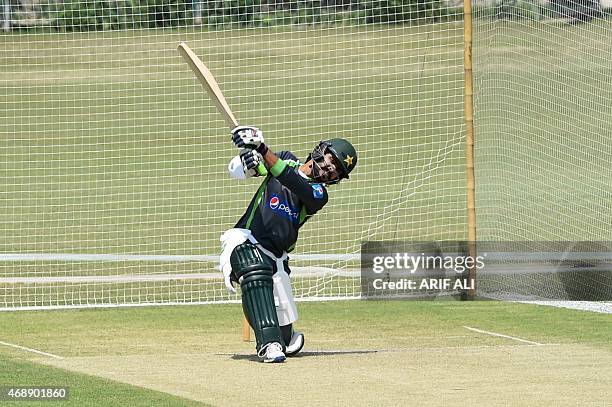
<point>211,87</point>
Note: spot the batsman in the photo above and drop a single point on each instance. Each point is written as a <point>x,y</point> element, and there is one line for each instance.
<point>254,252</point>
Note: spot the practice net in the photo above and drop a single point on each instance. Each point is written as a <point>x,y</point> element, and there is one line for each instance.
<point>113,159</point>
<point>544,129</point>
<point>115,188</point>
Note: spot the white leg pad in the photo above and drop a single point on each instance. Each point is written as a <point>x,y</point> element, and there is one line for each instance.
<point>286,309</point>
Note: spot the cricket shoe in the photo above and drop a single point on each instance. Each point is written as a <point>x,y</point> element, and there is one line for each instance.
<point>295,344</point>
<point>272,353</point>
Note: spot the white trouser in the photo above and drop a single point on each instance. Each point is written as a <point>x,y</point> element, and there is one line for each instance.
<point>286,309</point>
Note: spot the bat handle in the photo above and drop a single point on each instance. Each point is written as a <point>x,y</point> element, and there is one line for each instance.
<point>261,170</point>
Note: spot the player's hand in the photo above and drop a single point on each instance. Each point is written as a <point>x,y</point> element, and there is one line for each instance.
<point>251,160</point>
<point>247,137</point>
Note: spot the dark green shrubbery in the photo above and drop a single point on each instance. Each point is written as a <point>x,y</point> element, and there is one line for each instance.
<point>399,11</point>
<point>96,15</point>
<point>88,15</point>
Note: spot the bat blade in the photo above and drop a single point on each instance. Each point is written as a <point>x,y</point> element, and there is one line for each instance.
<point>209,83</point>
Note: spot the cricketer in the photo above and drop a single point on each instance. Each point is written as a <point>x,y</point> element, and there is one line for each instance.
<point>255,251</point>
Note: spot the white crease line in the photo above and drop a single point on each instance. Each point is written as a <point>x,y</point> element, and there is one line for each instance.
<point>504,336</point>
<point>12,345</point>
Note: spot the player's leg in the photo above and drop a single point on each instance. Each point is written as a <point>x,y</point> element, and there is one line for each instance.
<point>294,340</point>
<point>286,311</point>
<point>255,277</point>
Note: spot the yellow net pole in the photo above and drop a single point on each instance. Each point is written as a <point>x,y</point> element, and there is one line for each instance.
<point>469,124</point>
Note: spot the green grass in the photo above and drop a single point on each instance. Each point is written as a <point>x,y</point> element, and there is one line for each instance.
<point>185,329</point>
<point>83,390</point>
<point>161,347</point>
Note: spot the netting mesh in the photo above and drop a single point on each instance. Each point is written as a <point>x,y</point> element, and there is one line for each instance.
<point>544,130</point>
<point>113,160</point>
<point>110,147</point>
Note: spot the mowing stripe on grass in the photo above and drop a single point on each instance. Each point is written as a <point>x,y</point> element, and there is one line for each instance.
<point>12,345</point>
<point>503,336</point>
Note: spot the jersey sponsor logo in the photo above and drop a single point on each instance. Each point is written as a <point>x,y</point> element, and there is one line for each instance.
<point>284,209</point>
<point>317,191</point>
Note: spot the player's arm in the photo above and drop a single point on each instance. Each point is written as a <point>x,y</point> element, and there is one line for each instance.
<point>314,197</point>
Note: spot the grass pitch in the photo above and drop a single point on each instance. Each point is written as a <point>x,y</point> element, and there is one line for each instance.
<point>357,352</point>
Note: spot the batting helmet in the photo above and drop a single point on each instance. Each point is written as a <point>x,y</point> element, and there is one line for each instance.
<point>342,151</point>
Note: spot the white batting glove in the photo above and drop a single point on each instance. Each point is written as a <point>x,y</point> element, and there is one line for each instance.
<point>247,137</point>
<point>227,278</point>
<point>250,161</point>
